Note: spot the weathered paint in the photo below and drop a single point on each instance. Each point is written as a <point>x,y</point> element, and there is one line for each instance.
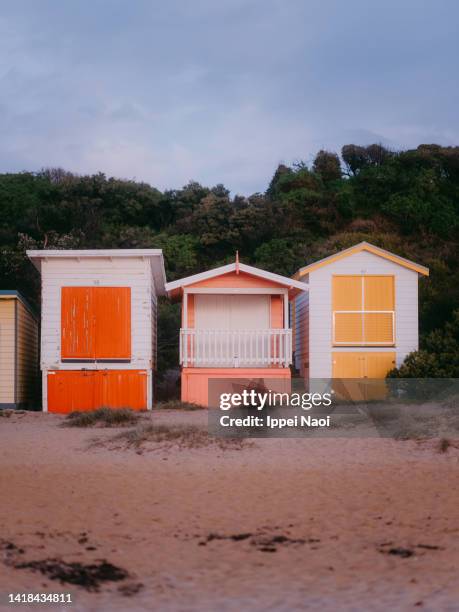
<point>195,381</point>
<point>91,389</point>
<point>96,323</point>
<point>77,323</point>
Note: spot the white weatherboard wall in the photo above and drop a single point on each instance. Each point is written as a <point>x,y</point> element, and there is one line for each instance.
<point>320,309</point>
<point>132,272</point>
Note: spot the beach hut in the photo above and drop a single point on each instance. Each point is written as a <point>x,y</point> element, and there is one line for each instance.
<point>18,352</point>
<point>360,316</point>
<point>98,327</point>
<point>235,324</point>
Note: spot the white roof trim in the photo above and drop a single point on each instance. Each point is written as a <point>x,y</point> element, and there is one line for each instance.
<point>65,253</point>
<point>364,244</point>
<point>156,256</point>
<point>196,278</point>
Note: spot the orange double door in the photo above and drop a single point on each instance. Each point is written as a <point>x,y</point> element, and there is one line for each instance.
<point>70,390</point>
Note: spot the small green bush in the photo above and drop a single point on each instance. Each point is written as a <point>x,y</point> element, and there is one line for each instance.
<point>438,357</point>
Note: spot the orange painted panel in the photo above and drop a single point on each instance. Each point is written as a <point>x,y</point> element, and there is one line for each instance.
<point>84,390</point>
<point>112,313</point>
<point>347,293</point>
<point>96,323</point>
<point>122,389</point>
<point>77,323</point>
<point>191,311</point>
<point>233,280</point>
<point>71,390</point>
<point>277,312</point>
<point>379,292</point>
<point>195,381</point>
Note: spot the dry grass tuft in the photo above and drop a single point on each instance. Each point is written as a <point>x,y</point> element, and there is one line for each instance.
<point>180,436</point>
<point>103,417</point>
<point>178,405</point>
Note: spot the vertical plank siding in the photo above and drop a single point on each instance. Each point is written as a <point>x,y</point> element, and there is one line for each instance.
<point>7,351</point>
<point>301,339</point>
<point>19,343</point>
<point>27,349</point>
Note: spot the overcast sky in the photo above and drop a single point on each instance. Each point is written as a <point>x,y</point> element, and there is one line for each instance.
<point>220,91</point>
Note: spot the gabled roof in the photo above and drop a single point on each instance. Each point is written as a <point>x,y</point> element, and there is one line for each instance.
<point>234,267</point>
<point>155,255</point>
<point>357,248</point>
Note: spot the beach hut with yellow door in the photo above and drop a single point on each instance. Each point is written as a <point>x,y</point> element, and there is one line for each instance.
<point>360,316</point>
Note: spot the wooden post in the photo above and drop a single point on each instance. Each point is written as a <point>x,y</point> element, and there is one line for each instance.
<point>185,326</point>
<point>286,327</point>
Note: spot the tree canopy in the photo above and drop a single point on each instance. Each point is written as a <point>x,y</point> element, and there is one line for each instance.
<point>406,202</point>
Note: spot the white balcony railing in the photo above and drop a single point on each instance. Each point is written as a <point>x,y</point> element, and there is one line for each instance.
<point>215,348</point>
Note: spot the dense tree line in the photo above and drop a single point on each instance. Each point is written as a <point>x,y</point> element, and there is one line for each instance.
<point>407,202</point>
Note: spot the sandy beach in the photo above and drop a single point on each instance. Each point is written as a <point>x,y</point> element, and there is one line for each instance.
<point>278,524</point>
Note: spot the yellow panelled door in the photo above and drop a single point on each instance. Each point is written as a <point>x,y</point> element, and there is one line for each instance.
<point>362,364</point>
<point>372,366</point>
<point>348,365</point>
<point>379,364</point>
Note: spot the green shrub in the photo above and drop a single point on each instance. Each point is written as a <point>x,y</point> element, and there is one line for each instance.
<point>439,357</point>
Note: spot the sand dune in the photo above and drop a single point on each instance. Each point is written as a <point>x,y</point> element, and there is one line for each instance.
<point>282,524</point>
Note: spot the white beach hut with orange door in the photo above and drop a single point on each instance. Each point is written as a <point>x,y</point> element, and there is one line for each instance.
<point>98,327</point>
<point>235,324</point>
<point>360,316</point>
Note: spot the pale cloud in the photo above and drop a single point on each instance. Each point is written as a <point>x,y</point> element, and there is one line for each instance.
<point>220,91</point>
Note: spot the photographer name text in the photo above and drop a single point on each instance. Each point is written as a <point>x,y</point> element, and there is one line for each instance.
<point>274,422</point>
